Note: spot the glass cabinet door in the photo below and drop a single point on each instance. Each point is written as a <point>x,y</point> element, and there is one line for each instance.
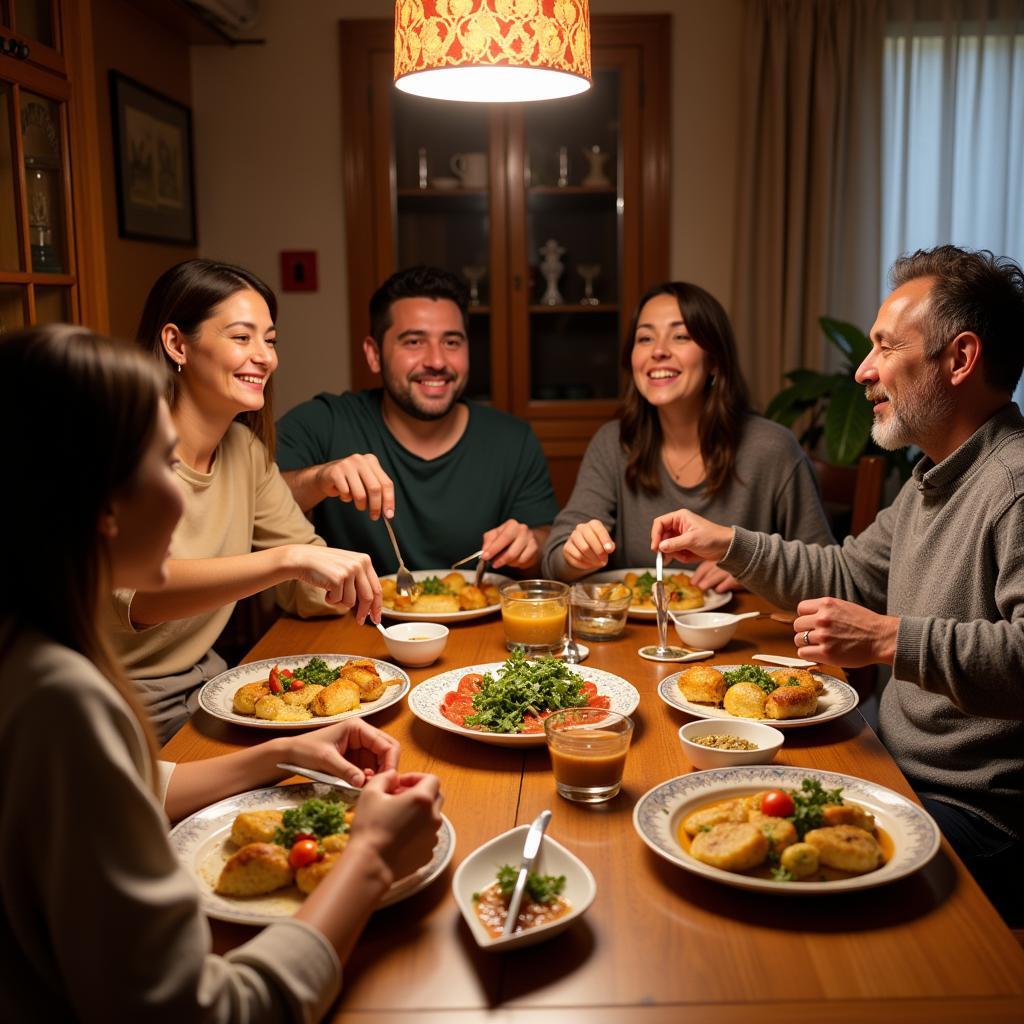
<point>442,197</point>
<point>34,19</point>
<point>10,236</point>
<point>44,183</point>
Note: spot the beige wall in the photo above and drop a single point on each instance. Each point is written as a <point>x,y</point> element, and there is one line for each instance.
<point>268,161</point>
<point>126,40</point>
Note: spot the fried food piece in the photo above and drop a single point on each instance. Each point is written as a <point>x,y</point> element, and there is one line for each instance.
<point>272,708</point>
<point>683,595</point>
<point>492,595</point>
<point>846,847</point>
<point>800,860</point>
<point>244,700</point>
<point>454,581</point>
<point>731,845</point>
<point>848,814</point>
<point>785,677</point>
<point>471,597</point>
<point>727,810</point>
<point>388,588</point>
<point>256,869</point>
<point>745,700</point>
<point>365,675</point>
<point>336,842</point>
<point>791,702</point>
<point>340,696</point>
<point>255,827</point>
<point>630,580</point>
<point>702,684</point>
<point>309,877</point>
<point>403,603</point>
<point>780,832</point>
<point>434,603</point>
<point>753,803</point>
<point>301,698</point>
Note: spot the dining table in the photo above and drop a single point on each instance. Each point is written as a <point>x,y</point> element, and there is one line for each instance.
<point>659,944</point>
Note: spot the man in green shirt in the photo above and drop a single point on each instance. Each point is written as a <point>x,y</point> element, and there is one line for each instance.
<point>453,475</point>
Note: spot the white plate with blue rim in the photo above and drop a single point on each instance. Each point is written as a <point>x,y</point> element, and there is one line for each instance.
<point>203,844</point>
<point>490,579</point>
<point>659,814</point>
<point>712,599</point>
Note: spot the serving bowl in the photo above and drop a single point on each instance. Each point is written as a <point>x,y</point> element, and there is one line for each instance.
<point>768,742</point>
<point>705,629</point>
<point>416,643</point>
<point>478,870</point>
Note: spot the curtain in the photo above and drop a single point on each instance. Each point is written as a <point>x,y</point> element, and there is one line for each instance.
<point>809,202</point>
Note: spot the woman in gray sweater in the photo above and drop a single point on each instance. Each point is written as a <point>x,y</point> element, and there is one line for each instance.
<point>686,437</point>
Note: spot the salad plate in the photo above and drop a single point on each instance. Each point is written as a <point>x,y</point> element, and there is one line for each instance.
<point>217,695</point>
<point>837,699</point>
<point>426,699</point>
<point>659,813</point>
<point>712,599</point>
<point>203,844</point>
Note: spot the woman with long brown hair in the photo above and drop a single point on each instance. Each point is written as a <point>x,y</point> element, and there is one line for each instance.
<point>100,919</point>
<point>212,325</point>
<point>686,437</point>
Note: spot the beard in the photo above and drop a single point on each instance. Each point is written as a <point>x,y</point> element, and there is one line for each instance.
<point>400,391</point>
<point>922,405</point>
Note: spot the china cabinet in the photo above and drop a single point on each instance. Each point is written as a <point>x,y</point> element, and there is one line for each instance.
<point>50,219</point>
<point>556,214</point>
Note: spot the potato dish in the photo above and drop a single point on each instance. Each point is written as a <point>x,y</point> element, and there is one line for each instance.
<point>750,692</point>
<point>681,593</point>
<point>434,595</point>
<point>799,835</point>
<point>276,849</point>
<point>312,691</point>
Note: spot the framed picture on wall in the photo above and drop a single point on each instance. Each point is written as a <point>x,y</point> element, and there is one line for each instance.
<point>153,163</point>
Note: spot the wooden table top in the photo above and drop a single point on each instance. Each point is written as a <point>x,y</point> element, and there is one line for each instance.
<point>658,941</point>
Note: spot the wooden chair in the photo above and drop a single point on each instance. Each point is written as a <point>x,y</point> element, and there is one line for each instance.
<point>852,495</point>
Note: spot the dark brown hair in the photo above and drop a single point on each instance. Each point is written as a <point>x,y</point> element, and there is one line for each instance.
<point>100,399</point>
<point>726,402</point>
<point>185,296</point>
<point>976,292</point>
<point>419,282</point>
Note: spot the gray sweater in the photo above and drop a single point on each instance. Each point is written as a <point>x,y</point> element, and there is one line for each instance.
<point>774,490</point>
<point>948,558</point>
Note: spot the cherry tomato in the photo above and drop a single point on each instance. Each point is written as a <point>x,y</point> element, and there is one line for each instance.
<point>303,835</point>
<point>286,672</point>
<point>777,804</point>
<point>304,852</point>
<point>295,684</point>
<point>275,681</point>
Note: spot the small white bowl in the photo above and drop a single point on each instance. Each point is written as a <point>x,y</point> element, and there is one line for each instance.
<point>480,868</point>
<point>768,742</point>
<point>416,643</point>
<point>705,629</point>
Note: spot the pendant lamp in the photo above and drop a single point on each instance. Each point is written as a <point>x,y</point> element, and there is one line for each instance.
<point>492,51</point>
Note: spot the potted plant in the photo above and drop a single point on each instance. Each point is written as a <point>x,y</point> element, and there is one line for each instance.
<point>833,407</point>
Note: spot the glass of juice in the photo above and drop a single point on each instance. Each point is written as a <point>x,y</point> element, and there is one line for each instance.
<point>588,752</point>
<point>533,613</point>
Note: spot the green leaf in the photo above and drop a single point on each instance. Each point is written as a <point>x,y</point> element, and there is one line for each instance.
<point>781,405</point>
<point>849,339</point>
<point>847,424</point>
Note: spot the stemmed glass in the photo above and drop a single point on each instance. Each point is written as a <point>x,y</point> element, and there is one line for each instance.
<point>588,271</point>
<point>474,275</point>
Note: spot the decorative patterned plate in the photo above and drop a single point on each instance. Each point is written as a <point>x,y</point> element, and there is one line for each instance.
<point>659,812</point>
<point>425,702</point>
<point>712,599</point>
<point>834,701</point>
<point>216,695</point>
<point>474,613</point>
<point>203,844</point>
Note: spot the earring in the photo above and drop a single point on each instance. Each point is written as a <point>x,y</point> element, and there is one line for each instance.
<point>179,367</point>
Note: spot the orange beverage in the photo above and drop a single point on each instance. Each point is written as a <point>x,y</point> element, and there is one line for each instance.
<point>534,613</point>
<point>588,748</point>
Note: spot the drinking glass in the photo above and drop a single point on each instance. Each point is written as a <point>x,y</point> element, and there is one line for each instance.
<point>533,613</point>
<point>588,749</point>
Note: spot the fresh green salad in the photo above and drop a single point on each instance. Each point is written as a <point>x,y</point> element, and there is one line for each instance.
<point>521,687</point>
<point>540,888</point>
<point>314,817</point>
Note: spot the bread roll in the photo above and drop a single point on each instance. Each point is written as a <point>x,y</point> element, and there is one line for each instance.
<point>702,684</point>
<point>791,702</point>
<point>745,700</point>
<point>256,869</point>
<point>782,676</point>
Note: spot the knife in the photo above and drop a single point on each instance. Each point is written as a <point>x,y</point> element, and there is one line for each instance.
<point>350,792</point>
<point>781,659</point>
<point>530,850</point>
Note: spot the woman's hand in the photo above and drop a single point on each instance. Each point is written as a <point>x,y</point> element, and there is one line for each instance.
<point>588,546</point>
<point>353,750</point>
<point>708,576</point>
<point>689,538</point>
<point>399,815</point>
<point>347,577</point>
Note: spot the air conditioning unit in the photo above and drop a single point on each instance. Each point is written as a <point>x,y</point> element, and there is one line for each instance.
<point>231,15</point>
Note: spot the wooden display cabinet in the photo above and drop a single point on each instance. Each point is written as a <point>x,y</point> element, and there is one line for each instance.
<point>481,189</point>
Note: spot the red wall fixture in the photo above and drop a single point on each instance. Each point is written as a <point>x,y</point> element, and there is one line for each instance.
<point>298,271</point>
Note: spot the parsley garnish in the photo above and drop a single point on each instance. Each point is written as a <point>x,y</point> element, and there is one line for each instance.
<point>540,888</point>
<point>316,672</point>
<point>782,875</point>
<point>809,800</point>
<point>317,817</point>
<point>433,585</point>
<point>750,674</point>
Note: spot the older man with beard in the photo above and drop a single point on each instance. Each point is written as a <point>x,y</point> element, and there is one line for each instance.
<point>934,587</point>
<point>461,476</point>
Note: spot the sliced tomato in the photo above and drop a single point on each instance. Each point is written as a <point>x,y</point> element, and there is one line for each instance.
<point>597,701</point>
<point>286,672</point>
<point>274,682</point>
<point>589,689</point>
<point>456,707</point>
<point>532,724</point>
<point>470,683</point>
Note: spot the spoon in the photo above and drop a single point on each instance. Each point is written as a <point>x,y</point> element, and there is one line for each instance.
<point>381,628</point>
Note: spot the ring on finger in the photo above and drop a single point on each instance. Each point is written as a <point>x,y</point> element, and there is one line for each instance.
<point>807,638</point>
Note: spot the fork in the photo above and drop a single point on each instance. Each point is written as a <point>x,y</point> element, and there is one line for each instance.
<point>404,582</point>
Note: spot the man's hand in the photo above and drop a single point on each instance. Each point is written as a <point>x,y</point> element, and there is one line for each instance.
<point>689,538</point>
<point>359,479</point>
<point>842,633</point>
<point>709,576</point>
<point>512,544</point>
<point>588,546</point>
